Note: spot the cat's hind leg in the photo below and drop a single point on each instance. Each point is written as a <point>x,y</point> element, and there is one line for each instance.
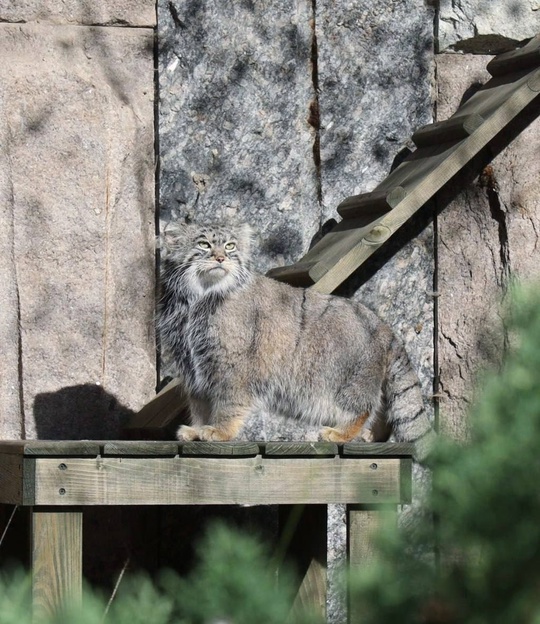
<point>347,432</point>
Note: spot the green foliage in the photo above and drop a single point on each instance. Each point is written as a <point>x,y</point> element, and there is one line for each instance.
<point>234,582</point>
<point>486,509</point>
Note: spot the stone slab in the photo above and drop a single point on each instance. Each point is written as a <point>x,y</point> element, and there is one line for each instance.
<point>486,26</point>
<point>88,12</point>
<point>78,109</point>
<point>487,237</point>
<point>235,142</point>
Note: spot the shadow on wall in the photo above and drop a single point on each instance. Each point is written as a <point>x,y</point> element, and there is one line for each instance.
<point>83,412</point>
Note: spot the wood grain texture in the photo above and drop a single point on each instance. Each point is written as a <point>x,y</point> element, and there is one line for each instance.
<point>45,448</point>
<point>300,449</point>
<point>376,449</point>
<point>220,449</point>
<point>363,523</point>
<point>11,479</point>
<point>216,481</point>
<point>140,447</point>
<point>56,560</point>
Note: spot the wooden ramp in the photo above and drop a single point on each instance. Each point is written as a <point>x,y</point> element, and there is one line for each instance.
<point>444,148</point>
<point>369,220</point>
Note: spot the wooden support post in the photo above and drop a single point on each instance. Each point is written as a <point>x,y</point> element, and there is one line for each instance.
<point>56,559</point>
<point>363,522</point>
<point>303,535</point>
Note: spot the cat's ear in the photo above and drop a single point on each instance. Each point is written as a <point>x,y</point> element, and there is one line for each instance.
<point>172,237</point>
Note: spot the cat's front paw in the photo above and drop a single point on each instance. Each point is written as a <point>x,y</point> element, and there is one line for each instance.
<point>211,434</point>
<point>188,434</point>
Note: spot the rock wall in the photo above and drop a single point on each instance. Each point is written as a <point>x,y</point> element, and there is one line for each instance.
<point>77,217</point>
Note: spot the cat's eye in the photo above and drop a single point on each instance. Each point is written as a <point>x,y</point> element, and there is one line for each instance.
<point>203,245</point>
<point>230,246</point>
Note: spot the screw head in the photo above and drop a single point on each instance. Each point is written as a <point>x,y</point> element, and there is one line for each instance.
<point>375,492</point>
<point>62,467</point>
<point>373,466</point>
<point>62,491</point>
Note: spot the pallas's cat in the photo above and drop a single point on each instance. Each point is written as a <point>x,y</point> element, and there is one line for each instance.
<point>243,342</point>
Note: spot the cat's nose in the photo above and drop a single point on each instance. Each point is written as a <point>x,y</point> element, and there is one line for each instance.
<point>220,258</point>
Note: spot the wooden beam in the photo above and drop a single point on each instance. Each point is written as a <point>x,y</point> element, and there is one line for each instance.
<point>56,551</point>
<point>516,60</point>
<point>371,206</point>
<point>302,543</point>
<point>456,128</point>
<point>363,525</point>
<point>216,481</point>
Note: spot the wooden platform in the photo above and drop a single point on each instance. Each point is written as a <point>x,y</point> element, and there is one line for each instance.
<point>57,480</point>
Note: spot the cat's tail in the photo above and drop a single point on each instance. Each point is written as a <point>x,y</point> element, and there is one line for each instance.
<point>405,407</point>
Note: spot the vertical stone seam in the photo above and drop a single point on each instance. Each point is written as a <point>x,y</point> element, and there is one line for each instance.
<point>436,294</point>
<point>20,360</point>
<point>106,276</point>
<point>157,173</point>
<point>314,116</point>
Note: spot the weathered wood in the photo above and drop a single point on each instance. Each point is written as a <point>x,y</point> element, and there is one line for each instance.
<point>376,449</point>
<point>429,169</point>
<point>456,128</point>
<point>220,449</point>
<point>294,274</point>
<point>45,448</point>
<point>56,552</point>
<point>140,447</point>
<point>166,407</point>
<point>302,544</point>
<point>371,206</point>
<point>300,449</point>
<point>523,58</point>
<point>363,523</point>
<point>11,479</point>
<point>216,481</point>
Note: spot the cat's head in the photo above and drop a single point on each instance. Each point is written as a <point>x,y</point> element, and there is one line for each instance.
<point>204,259</point>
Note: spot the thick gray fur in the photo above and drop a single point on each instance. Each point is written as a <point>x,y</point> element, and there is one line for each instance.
<point>243,342</point>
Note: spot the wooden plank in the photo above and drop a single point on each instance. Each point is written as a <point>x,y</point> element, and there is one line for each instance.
<point>300,449</point>
<point>44,448</point>
<point>376,449</point>
<point>293,274</point>
<point>220,449</point>
<point>56,547</point>
<point>456,128</point>
<point>371,206</point>
<point>167,406</point>
<point>216,481</point>
<point>523,58</point>
<point>140,447</point>
<point>302,545</point>
<point>428,179</point>
<point>11,479</point>
<point>363,524</point>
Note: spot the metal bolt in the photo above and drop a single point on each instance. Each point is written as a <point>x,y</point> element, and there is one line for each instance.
<point>375,492</point>
<point>62,467</point>
<point>62,491</point>
<point>373,466</point>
